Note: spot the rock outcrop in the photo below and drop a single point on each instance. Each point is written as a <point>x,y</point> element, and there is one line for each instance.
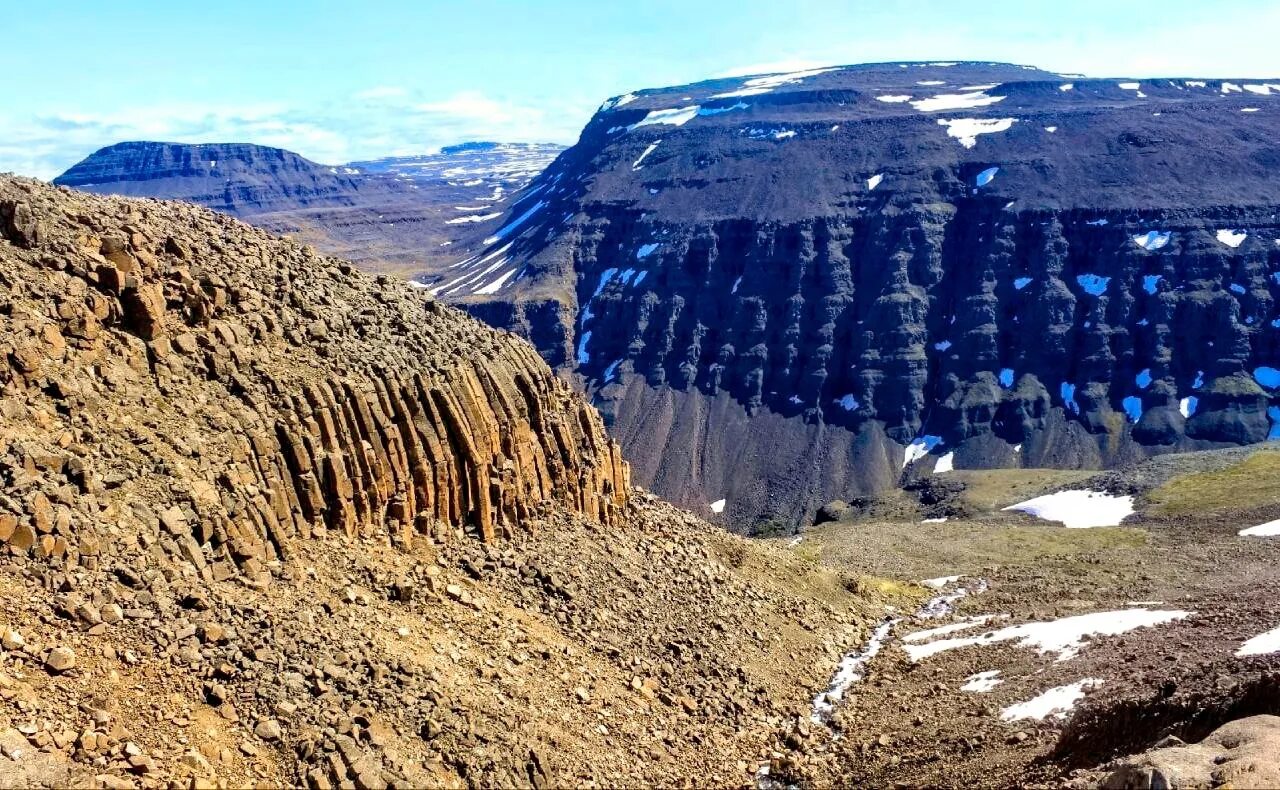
<point>786,279</point>
<point>1241,754</point>
<point>269,521</point>
<point>262,394</point>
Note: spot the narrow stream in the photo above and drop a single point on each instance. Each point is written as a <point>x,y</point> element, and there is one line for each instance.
<point>853,666</point>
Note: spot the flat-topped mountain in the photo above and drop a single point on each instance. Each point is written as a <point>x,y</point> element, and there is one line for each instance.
<point>402,214</point>
<point>240,179</point>
<point>783,288</point>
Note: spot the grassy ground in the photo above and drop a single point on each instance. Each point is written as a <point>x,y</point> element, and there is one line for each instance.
<point>1248,484</point>
<point>991,489</point>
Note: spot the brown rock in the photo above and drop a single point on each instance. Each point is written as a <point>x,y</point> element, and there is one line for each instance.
<point>60,659</point>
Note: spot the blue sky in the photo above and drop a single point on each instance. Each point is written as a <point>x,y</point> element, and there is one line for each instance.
<point>339,81</point>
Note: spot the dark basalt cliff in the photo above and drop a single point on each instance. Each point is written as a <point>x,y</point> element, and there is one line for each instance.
<point>773,285</point>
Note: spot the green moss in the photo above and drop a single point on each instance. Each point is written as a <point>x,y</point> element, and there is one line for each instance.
<point>1237,385</point>
<point>1251,483</point>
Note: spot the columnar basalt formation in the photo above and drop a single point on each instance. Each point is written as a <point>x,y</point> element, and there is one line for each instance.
<point>229,393</point>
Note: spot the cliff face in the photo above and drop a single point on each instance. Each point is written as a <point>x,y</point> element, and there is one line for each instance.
<point>773,285</point>
<point>235,178</point>
<point>241,393</point>
<point>406,214</point>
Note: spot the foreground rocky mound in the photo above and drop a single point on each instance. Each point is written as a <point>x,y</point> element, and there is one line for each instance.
<point>268,520</point>
<point>774,284</point>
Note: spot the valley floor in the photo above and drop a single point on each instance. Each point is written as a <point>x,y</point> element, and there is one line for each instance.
<point>662,652</point>
<point>1170,597</point>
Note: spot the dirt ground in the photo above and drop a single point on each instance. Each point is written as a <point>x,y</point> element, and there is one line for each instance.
<point>909,723</point>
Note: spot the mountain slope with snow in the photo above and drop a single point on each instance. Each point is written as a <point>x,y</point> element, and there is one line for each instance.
<point>774,284</point>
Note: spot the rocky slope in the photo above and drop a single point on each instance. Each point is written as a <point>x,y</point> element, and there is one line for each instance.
<point>266,519</point>
<point>774,285</point>
<point>401,214</point>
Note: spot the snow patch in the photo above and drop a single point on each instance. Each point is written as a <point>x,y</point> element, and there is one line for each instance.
<point>473,218</point>
<point>764,84</point>
<point>1064,636</point>
<point>1261,645</point>
<point>848,402</point>
<point>674,116</point>
<point>895,98</point>
<point>919,448</point>
<point>982,682</point>
<point>1132,406</point>
<point>1232,238</point>
<point>956,101</point>
<point>874,181</point>
<point>492,288</point>
<point>636,164</point>
<point>1187,406</point>
<point>717,506</point>
<point>1270,529</point>
<point>1152,240</point>
<point>1079,509</point>
<point>1054,703</point>
<point>514,224</point>
<point>966,130</point>
<point>945,464</point>
<point>618,101</point>
<point>1021,282</point>
<point>985,176</point>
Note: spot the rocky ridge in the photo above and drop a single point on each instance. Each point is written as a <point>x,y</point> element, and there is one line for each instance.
<point>266,519</point>
<point>817,269</point>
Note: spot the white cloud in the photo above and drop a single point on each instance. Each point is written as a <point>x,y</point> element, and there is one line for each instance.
<point>389,122</point>
<point>471,105</point>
